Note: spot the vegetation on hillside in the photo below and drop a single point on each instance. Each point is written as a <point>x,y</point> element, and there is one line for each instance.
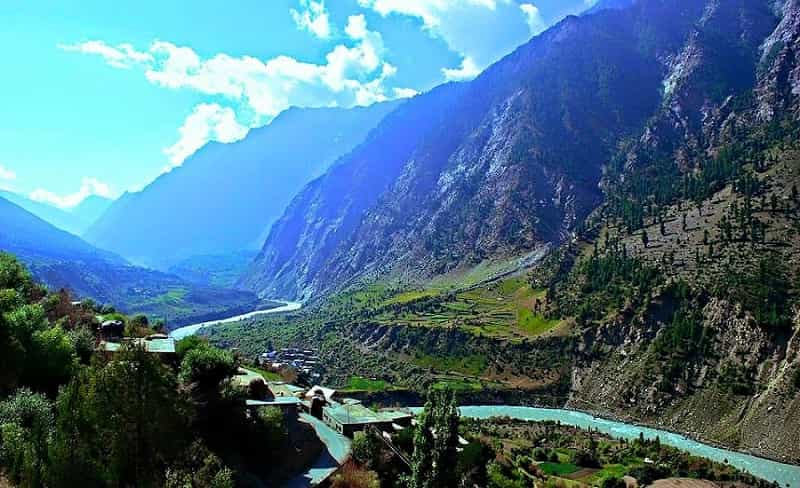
<point>70,416</point>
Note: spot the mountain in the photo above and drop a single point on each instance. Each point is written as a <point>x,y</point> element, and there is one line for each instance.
<point>609,5</point>
<point>495,167</point>
<point>62,260</point>
<point>91,209</point>
<point>60,218</point>
<point>224,198</point>
<point>650,155</point>
<point>24,233</point>
<point>75,221</point>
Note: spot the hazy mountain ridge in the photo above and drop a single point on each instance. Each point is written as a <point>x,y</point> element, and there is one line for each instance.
<point>62,260</point>
<point>224,197</point>
<point>75,221</point>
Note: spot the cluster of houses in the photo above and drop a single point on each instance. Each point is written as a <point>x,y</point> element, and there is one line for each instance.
<point>344,415</point>
<point>304,361</point>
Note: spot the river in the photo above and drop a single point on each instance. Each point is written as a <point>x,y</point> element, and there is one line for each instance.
<point>191,330</point>
<point>785,474</point>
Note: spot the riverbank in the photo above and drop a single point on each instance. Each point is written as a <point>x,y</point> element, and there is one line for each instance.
<point>785,474</point>
<point>189,330</point>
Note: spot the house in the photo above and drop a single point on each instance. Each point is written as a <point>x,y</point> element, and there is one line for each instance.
<point>112,329</point>
<point>351,416</point>
<point>155,344</point>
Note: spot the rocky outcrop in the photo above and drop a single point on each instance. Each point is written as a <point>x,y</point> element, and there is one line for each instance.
<point>626,384</point>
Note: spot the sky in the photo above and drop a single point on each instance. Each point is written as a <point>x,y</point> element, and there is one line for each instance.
<point>100,97</point>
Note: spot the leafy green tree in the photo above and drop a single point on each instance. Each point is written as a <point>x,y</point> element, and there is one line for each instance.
<point>436,443</point>
<point>200,468</point>
<point>26,423</point>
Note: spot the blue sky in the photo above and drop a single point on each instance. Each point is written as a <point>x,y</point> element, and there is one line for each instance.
<point>101,97</point>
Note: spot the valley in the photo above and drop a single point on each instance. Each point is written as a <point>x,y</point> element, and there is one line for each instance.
<point>577,267</point>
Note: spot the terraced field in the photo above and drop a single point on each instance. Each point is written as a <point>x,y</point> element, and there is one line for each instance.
<point>508,310</point>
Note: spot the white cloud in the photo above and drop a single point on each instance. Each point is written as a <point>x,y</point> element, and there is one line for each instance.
<point>313,17</point>
<point>122,56</point>
<point>208,122</point>
<point>7,174</point>
<point>89,187</point>
<point>534,17</point>
<point>356,27</point>
<point>481,30</point>
<point>352,74</point>
<point>467,71</point>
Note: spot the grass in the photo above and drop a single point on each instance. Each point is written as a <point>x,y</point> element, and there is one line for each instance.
<point>268,375</point>
<point>558,469</point>
<point>535,324</point>
<point>608,471</point>
<point>473,365</point>
<point>503,310</point>
<point>357,383</point>
<point>410,296</point>
<point>458,384</point>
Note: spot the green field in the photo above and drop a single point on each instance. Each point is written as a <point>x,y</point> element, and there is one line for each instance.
<point>558,469</point>
<point>473,365</point>
<point>458,384</point>
<point>357,383</point>
<point>505,310</point>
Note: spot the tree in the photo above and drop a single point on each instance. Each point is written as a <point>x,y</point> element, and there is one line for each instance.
<point>26,424</point>
<point>136,410</point>
<point>645,238</point>
<point>436,443</point>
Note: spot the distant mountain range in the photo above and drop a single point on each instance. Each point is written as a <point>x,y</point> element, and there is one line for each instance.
<point>75,221</point>
<point>62,260</point>
<point>223,199</point>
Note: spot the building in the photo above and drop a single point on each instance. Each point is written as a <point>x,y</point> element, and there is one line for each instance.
<point>351,416</point>
<point>156,344</point>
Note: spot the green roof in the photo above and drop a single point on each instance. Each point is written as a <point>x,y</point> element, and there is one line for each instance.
<point>352,414</point>
<point>156,346</point>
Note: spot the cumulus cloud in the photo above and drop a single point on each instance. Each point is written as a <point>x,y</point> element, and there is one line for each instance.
<point>352,74</point>
<point>89,187</point>
<point>481,31</point>
<point>467,71</point>
<point>534,17</point>
<point>313,17</point>
<point>356,27</point>
<point>207,122</point>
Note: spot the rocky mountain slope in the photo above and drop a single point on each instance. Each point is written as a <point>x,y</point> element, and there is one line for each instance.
<point>62,260</point>
<point>223,198</point>
<point>489,168</point>
<point>676,302</point>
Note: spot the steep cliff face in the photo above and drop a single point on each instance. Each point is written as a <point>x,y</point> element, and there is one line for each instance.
<point>778,91</point>
<point>492,167</point>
